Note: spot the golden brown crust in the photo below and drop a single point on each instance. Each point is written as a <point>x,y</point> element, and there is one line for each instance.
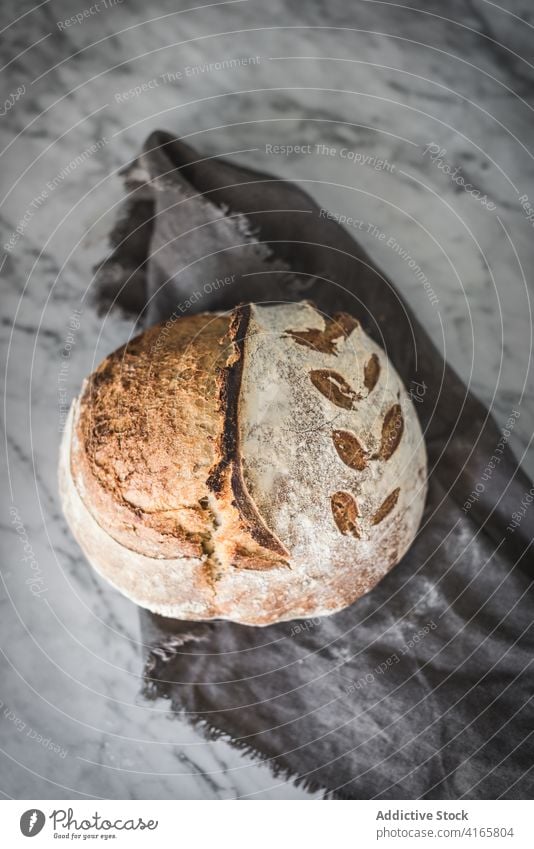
<point>156,433</point>
<point>145,437</point>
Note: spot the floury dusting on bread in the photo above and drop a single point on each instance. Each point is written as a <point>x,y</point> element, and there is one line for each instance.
<point>259,466</point>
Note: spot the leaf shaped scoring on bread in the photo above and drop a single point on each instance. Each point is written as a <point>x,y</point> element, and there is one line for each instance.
<point>345,513</point>
<point>339,326</point>
<point>386,507</point>
<point>334,387</point>
<point>392,429</point>
<point>350,449</point>
<point>338,391</point>
<point>371,372</point>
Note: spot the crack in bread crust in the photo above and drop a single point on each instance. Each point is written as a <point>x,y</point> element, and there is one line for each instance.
<point>229,449</point>
<point>229,387</point>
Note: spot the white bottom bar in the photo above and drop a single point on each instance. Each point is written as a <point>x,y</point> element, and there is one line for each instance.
<point>283,825</point>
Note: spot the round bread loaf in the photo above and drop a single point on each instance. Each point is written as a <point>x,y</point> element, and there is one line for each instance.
<point>259,466</point>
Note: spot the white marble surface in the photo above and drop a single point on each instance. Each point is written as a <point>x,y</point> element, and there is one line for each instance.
<point>376,78</point>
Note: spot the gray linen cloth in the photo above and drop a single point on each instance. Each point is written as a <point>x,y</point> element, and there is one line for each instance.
<point>423,688</point>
